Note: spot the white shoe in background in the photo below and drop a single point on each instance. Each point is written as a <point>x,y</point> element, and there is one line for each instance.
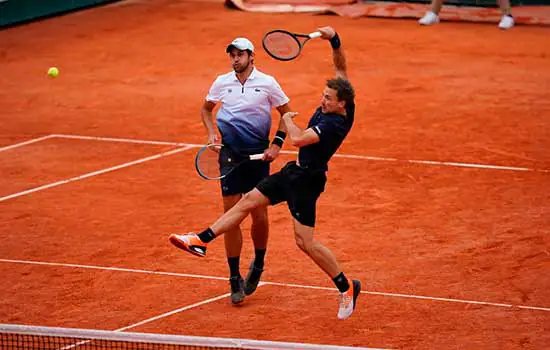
<point>506,22</point>
<point>429,19</point>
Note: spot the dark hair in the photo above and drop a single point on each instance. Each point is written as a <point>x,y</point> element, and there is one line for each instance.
<point>344,90</point>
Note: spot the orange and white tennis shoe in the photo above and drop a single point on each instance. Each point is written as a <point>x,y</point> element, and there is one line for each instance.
<point>189,242</point>
<point>348,300</point>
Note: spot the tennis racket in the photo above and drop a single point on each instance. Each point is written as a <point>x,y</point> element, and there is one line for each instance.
<point>285,46</point>
<point>216,161</point>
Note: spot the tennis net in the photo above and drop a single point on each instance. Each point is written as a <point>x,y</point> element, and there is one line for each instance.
<point>22,337</point>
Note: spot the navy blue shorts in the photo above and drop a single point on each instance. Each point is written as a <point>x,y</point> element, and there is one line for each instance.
<point>244,178</point>
<point>299,187</point>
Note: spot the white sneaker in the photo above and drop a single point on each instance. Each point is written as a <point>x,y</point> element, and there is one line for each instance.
<point>429,19</point>
<point>348,300</point>
<point>506,22</point>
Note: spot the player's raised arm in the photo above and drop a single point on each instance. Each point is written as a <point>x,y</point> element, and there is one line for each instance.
<point>338,58</point>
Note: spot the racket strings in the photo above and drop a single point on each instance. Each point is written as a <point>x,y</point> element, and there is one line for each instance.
<point>216,161</point>
<point>282,45</point>
<point>208,163</point>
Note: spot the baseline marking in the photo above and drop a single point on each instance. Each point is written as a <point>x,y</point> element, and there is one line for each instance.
<point>26,143</point>
<point>394,295</point>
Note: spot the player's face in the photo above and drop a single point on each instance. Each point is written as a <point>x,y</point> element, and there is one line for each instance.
<point>240,60</point>
<point>330,103</point>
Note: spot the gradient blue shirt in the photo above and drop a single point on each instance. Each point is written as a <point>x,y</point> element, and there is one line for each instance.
<point>244,118</point>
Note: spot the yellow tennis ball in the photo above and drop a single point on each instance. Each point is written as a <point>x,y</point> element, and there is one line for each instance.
<point>53,72</point>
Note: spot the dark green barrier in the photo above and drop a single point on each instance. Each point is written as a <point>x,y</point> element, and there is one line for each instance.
<point>480,3</point>
<point>18,11</point>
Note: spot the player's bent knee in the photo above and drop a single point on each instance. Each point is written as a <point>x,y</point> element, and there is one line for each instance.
<point>255,199</point>
<point>304,236</point>
<point>301,244</point>
<point>248,201</point>
<point>305,244</point>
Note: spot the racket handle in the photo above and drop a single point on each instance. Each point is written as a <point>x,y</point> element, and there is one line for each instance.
<point>256,156</point>
<point>315,35</point>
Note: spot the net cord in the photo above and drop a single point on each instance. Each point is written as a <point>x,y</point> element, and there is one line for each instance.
<point>89,334</point>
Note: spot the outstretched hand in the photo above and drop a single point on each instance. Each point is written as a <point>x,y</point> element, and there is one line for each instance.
<point>290,115</point>
<point>327,33</point>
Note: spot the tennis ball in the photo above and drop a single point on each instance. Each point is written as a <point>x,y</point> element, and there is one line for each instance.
<point>53,72</point>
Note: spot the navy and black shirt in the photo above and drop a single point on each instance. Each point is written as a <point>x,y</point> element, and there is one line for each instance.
<point>332,129</point>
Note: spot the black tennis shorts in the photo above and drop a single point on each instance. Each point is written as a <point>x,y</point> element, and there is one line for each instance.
<point>299,187</point>
<point>244,178</point>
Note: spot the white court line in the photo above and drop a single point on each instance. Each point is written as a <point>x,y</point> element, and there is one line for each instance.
<point>119,269</point>
<point>114,139</point>
<point>166,314</point>
<point>94,173</point>
<point>412,296</point>
<point>26,143</point>
<point>393,295</point>
<point>338,155</point>
<point>158,317</point>
<point>451,164</point>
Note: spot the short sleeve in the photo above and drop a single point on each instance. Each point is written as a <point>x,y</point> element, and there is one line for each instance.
<point>214,94</point>
<point>330,128</point>
<point>277,96</point>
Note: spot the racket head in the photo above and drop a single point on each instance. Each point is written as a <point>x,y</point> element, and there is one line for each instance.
<point>282,45</point>
<point>216,161</point>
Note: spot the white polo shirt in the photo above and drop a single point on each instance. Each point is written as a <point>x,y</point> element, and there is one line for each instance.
<point>244,118</point>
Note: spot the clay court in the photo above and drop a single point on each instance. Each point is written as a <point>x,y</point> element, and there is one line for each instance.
<point>438,200</point>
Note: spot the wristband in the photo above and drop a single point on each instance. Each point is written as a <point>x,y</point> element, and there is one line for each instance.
<point>279,138</point>
<point>335,41</point>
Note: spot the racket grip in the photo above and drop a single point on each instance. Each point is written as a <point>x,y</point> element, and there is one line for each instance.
<point>256,156</point>
<point>315,35</point>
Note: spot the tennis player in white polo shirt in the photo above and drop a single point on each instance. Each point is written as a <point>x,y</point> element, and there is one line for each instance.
<point>247,97</point>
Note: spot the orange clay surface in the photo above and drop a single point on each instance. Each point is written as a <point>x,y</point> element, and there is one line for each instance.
<point>457,92</point>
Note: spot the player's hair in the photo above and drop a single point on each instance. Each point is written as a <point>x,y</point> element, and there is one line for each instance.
<point>344,90</point>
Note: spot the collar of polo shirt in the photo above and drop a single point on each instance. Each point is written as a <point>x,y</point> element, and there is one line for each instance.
<point>251,76</point>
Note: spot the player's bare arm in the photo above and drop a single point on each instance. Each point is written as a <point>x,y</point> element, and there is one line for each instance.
<point>298,137</point>
<point>208,120</point>
<point>282,110</point>
<point>273,150</point>
<point>338,57</point>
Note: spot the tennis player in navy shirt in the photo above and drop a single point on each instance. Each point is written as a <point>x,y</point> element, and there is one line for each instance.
<point>301,182</point>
